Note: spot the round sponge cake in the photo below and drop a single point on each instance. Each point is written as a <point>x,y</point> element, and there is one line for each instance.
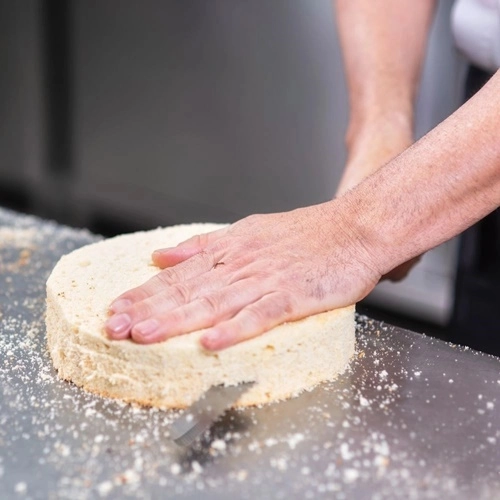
<point>284,361</point>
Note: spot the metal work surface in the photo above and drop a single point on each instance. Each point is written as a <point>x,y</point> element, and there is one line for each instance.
<point>413,417</point>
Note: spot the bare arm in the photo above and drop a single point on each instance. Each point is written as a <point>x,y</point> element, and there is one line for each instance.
<point>383,45</point>
<point>281,267</point>
<point>438,187</point>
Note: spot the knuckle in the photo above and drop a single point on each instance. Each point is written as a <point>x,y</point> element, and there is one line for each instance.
<point>175,317</point>
<point>277,307</point>
<point>137,294</point>
<point>140,310</point>
<point>253,276</point>
<point>218,246</point>
<point>285,303</point>
<point>168,277</point>
<point>198,240</point>
<point>273,308</point>
<point>193,241</point>
<point>257,314</point>
<point>209,258</point>
<point>180,293</point>
<point>210,304</point>
<point>204,239</point>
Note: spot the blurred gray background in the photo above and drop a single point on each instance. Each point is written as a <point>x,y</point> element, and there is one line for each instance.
<point>123,115</point>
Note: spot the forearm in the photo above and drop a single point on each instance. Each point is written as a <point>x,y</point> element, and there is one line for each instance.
<point>383,45</point>
<point>283,267</point>
<point>435,189</point>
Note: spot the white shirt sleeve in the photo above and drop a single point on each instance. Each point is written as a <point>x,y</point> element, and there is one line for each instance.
<point>476,28</point>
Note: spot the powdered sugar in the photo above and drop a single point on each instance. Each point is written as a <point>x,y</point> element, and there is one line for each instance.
<point>392,423</point>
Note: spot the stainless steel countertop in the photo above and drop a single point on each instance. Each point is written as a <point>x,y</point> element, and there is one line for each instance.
<point>413,417</point>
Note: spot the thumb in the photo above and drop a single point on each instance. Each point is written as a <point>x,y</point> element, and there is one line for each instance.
<point>168,257</point>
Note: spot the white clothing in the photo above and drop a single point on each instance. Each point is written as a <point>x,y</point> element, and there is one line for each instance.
<point>476,28</point>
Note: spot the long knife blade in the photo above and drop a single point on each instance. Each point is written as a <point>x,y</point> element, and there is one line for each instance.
<point>205,411</point>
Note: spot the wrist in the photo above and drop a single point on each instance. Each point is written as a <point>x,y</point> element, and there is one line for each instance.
<point>362,246</point>
<point>368,243</point>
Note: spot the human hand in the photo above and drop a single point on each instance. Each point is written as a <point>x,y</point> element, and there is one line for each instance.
<point>242,280</point>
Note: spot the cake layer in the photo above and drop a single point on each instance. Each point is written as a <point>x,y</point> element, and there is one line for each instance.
<point>284,361</point>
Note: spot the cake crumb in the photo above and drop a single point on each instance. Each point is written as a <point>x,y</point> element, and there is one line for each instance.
<point>21,488</point>
<point>175,469</point>
<point>104,488</point>
<point>218,444</point>
<point>197,468</point>
<point>351,475</point>
<point>242,475</point>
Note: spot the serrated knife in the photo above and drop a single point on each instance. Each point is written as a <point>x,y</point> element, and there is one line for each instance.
<point>206,411</point>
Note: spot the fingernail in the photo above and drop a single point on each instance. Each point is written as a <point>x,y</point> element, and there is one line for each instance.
<point>159,251</point>
<point>146,328</point>
<point>120,305</point>
<point>210,340</point>
<point>119,323</point>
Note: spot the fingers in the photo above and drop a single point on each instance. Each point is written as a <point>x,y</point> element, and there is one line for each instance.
<point>400,272</point>
<point>256,318</point>
<point>119,325</point>
<point>199,264</point>
<point>175,311</point>
<point>168,257</point>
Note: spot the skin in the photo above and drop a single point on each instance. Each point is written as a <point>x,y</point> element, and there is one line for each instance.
<point>383,61</point>
<point>266,269</point>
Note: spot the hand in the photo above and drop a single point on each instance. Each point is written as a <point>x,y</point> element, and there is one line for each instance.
<point>369,150</point>
<point>242,280</point>
<point>401,272</point>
